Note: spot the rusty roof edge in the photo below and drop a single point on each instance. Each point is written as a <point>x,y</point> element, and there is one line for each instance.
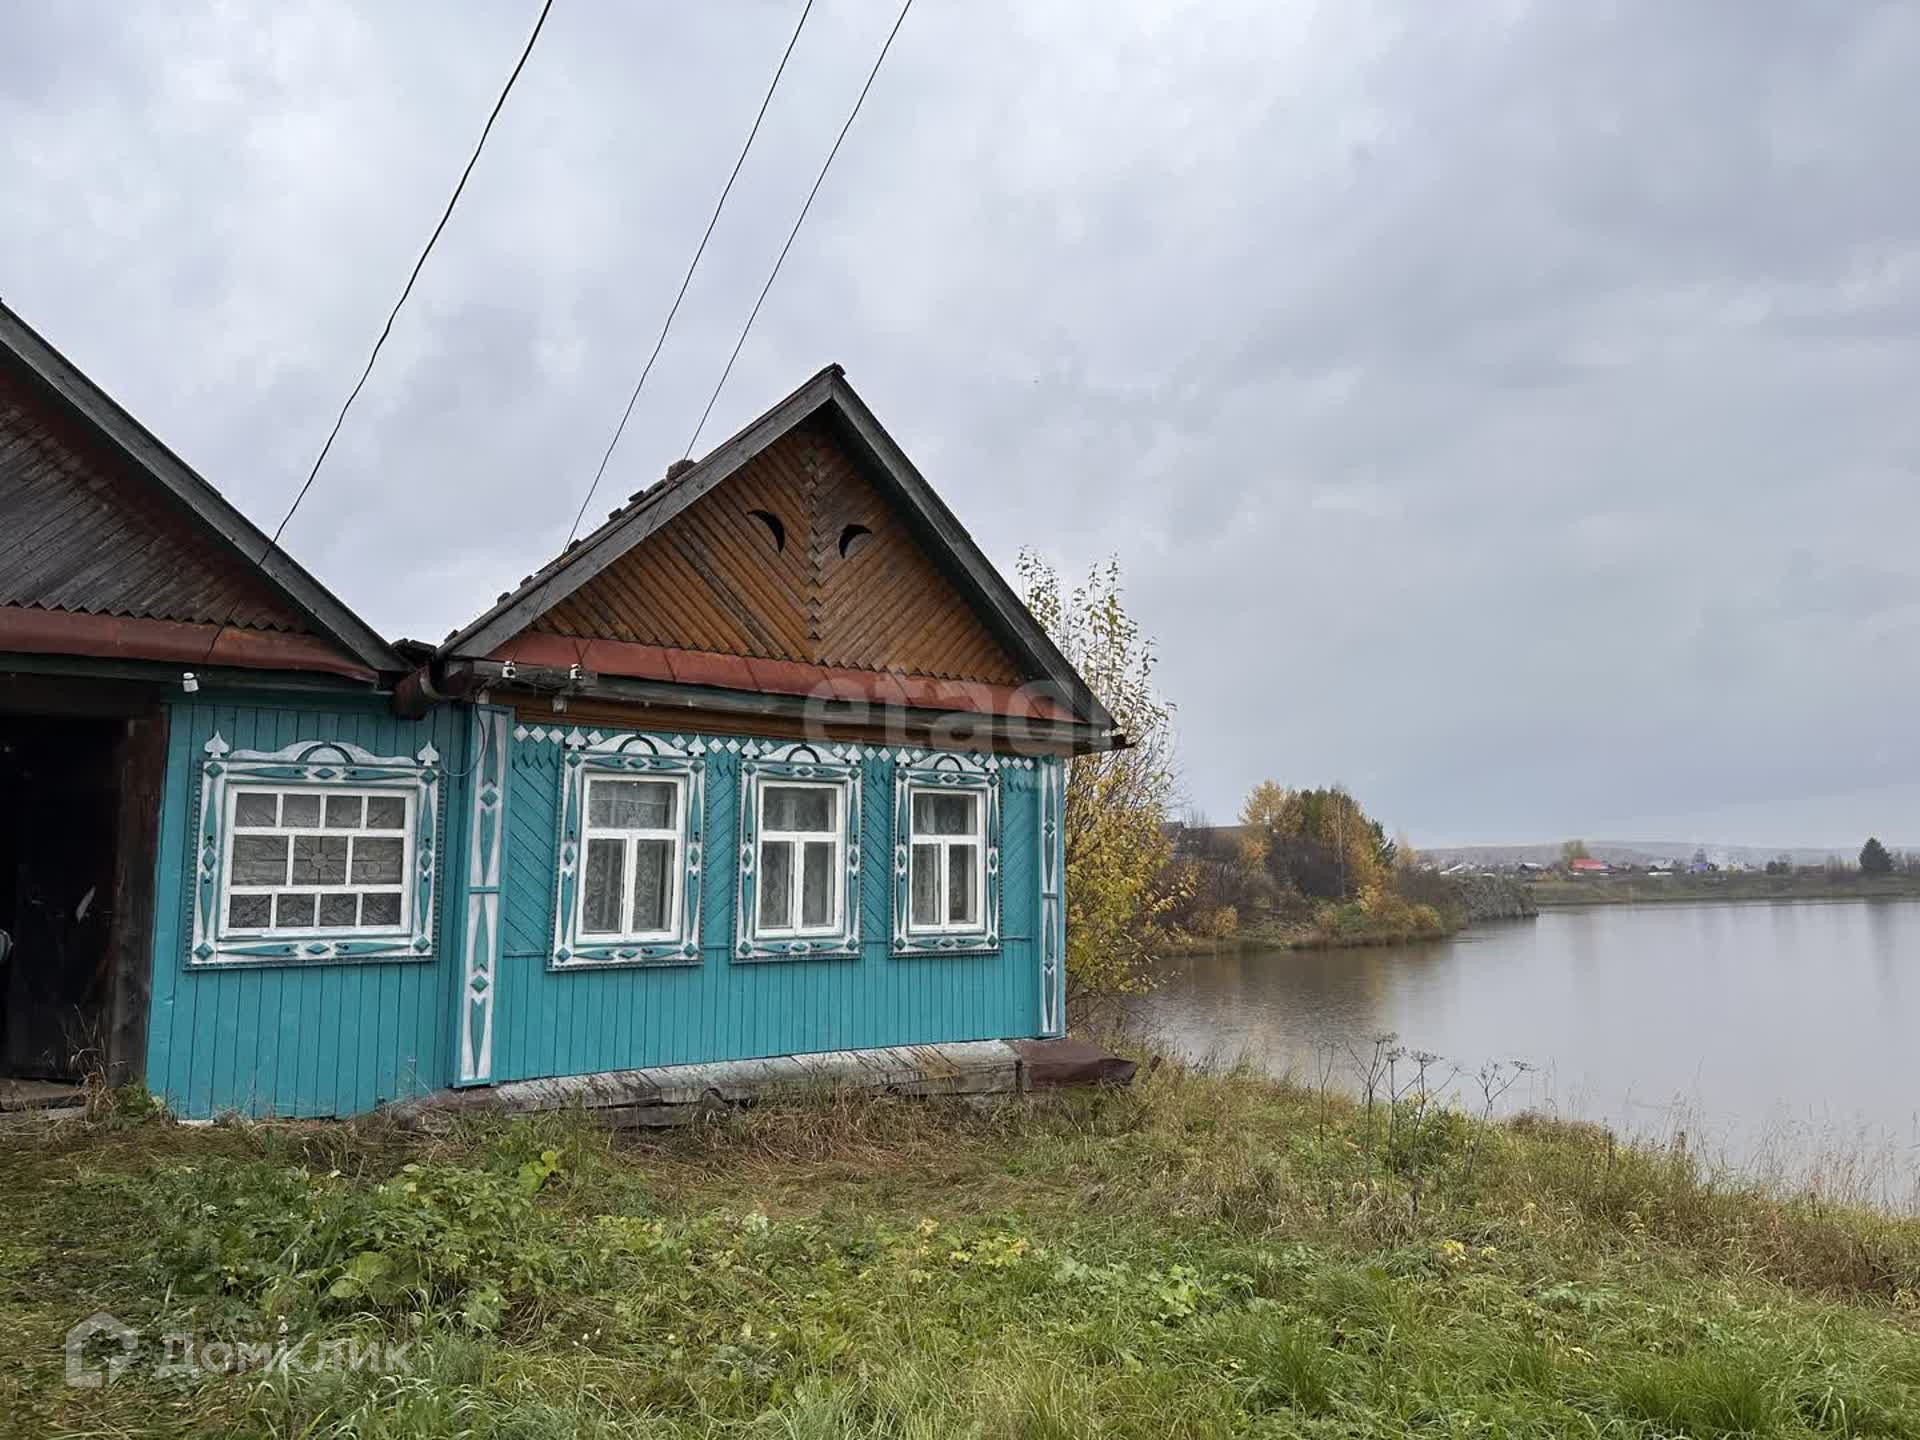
<point>151,456</point>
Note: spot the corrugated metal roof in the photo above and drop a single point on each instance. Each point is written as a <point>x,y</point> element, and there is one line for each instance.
<point>76,536</point>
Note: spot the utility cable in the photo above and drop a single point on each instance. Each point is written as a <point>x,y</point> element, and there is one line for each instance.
<point>774,274</point>
<point>687,279</point>
<point>386,330</point>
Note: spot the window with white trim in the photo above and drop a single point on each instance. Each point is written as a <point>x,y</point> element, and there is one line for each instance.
<point>800,874</point>
<point>631,869</point>
<point>317,860</point>
<point>947,880</point>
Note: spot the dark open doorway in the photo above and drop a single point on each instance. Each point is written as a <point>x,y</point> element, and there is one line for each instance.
<point>82,768</point>
<point>59,814</point>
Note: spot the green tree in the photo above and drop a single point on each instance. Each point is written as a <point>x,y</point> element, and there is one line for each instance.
<point>1119,883</point>
<point>1874,859</point>
<point>1573,850</point>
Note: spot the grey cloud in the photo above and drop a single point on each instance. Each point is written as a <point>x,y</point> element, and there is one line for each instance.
<point>1503,407</point>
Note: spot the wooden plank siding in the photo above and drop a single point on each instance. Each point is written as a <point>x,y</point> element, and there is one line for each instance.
<point>583,1020</point>
<point>713,578</point>
<point>298,1039</point>
<point>329,1038</point>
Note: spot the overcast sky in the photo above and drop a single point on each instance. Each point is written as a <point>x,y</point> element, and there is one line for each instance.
<point>1510,410</point>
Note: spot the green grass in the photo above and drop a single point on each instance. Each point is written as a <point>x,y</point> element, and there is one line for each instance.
<point>1203,1256</point>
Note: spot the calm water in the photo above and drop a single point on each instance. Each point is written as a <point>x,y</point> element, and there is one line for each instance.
<point>1777,1035</point>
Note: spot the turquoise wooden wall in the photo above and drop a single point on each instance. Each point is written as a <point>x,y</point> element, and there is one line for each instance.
<point>297,1039</point>
<point>567,1022</point>
<point>338,1038</point>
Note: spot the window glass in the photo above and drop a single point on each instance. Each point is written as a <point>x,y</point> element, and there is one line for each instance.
<point>377,861</point>
<point>798,807</point>
<point>256,810</point>
<point>938,814</point>
<point>816,884</point>
<point>289,846</point>
<point>300,812</point>
<point>260,859</point>
<point>926,885</point>
<point>321,859</point>
<point>776,884</point>
<point>948,859</point>
<point>652,885</point>
<point>605,877</point>
<point>630,804</point>
<point>962,872</point>
<point>250,912</point>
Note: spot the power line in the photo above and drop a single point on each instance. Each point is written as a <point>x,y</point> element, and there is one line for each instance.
<point>774,274</point>
<point>687,279</point>
<point>393,315</point>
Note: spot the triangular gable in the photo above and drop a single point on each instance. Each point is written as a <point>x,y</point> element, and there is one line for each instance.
<point>111,545</point>
<point>756,567</point>
<point>688,567</point>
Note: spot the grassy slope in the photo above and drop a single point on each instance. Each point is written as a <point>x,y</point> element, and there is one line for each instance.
<point>1204,1256</point>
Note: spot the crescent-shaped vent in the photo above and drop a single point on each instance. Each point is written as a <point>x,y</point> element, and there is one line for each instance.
<point>774,527</point>
<point>852,538</point>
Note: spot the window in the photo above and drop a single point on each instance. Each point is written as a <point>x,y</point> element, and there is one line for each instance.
<point>631,820</point>
<point>316,860</point>
<point>799,879</point>
<point>320,851</point>
<point>799,857</point>
<point>948,880</point>
<point>946,851</point>
<point>630,887</point>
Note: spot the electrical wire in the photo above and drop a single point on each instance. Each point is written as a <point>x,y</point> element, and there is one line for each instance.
<point>774,274</point>
<point>687,279</point>
<point>387,329</point>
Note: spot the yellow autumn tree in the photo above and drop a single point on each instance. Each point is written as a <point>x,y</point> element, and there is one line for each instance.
<point>1119,883</point>
<point>1320,842</point>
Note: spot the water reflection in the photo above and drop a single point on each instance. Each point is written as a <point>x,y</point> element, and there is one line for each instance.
<point>1767,1030</point>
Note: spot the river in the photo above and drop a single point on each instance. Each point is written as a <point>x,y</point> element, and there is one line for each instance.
<point>1783,1038</point>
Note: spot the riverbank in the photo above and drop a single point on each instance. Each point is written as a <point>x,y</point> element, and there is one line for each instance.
<point>1638,889</point>
<point>1421,907</point>
<point>1201,1256</point>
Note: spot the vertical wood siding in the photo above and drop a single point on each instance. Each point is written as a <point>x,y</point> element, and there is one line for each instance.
<point>306,1039</point>
<point>578,1021</point>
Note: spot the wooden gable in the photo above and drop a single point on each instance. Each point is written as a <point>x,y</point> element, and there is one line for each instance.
<point>797,557</point>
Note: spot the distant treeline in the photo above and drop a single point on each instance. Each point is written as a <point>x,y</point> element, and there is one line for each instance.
<point>1311,867</point>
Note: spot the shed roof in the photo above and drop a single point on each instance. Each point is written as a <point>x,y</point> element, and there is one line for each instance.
<point>145,539</point>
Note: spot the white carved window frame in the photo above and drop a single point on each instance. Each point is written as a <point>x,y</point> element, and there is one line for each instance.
<point>798,764</point>
<point>950,772</point>
<point>633,756</point>
<point>327,767</point>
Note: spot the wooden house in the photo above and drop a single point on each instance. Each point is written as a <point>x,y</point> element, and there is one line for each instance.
<point>770,764</point>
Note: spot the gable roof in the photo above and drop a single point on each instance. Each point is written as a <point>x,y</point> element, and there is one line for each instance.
<point>827,395</point>
<point>272,593</point>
